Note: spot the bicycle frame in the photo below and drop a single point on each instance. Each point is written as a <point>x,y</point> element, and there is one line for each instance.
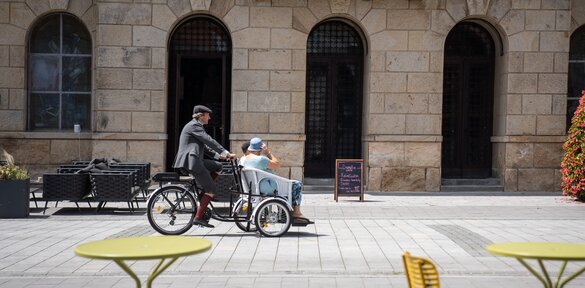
<point>190,186</point>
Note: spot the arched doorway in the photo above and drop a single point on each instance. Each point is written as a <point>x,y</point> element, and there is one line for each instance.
<point>335,53</point>
<point>199,73</point>
<point>576,72</point>
<point>468,102</point>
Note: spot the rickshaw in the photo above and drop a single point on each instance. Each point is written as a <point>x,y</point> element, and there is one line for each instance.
<point>171,208</point>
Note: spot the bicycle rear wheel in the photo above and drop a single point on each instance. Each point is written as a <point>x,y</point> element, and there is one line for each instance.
<point>273,218</point>
<point>171,210</point>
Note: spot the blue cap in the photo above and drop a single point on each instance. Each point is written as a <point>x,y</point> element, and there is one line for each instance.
<point>255,144</point>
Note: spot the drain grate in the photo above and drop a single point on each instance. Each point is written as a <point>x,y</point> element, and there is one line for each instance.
<point>470,241</point>
<point>135,231</point>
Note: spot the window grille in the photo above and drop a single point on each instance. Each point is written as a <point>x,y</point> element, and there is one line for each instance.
<point>469,40</point>
<point>59,70</point>
<point>576,81</point>
<point>334,97</point>
<point>200,35</point>
<point>467,102</point>
<point>334,38</point>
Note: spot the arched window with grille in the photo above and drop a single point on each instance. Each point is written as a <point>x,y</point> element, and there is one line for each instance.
<point>333,123</point>
<point>59,74</point>
<point>468,95</point>
<point>576,72</point>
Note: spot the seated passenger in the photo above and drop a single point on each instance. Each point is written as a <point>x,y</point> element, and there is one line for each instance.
<point>245,146</point>
<point>259,157</point>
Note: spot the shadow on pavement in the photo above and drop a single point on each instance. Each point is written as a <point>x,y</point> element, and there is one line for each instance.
<point>290,234</point>
<point>358,200</point>
<point>39,216</point>
<point>447,194</point>
<point>92,211</point>
<point>301,234</point>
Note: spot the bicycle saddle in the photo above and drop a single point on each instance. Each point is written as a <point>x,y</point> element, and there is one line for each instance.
<point>165,177</point>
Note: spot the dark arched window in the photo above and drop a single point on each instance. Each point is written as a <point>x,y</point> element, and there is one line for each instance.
<point>469,39</point>
<point>576,72</point>
<point>59,74</point>
<point>333,119</point>
<point>468,97</point>
<point>201,35</point>
<point>335,38</point>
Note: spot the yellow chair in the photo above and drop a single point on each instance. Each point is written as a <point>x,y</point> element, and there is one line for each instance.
<point>420,272</point>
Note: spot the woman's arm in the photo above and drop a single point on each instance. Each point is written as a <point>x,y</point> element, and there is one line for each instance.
<point>273,163</point>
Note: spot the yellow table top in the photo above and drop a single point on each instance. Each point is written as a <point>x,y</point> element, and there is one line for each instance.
<point>142,248</point>
<point>539,250</point>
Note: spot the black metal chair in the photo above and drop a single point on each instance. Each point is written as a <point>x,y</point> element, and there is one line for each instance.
<point>65,187</point>
<point>114,186</point>
<point>143,170</point>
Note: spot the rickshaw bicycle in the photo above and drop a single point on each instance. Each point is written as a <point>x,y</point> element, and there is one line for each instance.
<point>171,208</point>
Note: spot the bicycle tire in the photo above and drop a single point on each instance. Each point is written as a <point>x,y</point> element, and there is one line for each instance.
<point>273,218</point>
<point>242,211</point>
<point>162,212</point>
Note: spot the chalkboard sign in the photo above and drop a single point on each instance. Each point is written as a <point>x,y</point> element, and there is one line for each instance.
<point>349,178</point>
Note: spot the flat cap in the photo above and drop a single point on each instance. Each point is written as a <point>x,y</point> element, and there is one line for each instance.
<point>201,109</point>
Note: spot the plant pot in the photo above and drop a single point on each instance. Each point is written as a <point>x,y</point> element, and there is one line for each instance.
<point>14,198</point>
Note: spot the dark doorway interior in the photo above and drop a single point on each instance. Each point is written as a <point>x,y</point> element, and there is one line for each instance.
<point>334,98</point>
<point>576,81</point>
<point>199,66</point>
<point>201,83</point>
<point>468,102</point>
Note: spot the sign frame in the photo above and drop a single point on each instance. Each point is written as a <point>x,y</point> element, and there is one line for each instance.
<point>361,172</point>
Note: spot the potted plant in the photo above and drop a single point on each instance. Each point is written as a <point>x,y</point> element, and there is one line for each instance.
<point>14,189</point>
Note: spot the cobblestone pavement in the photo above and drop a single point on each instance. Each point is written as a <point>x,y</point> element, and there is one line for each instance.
<point>352,244</point>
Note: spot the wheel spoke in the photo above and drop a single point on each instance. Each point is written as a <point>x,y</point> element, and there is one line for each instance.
<point>273,218</point>
<point>171,210</point>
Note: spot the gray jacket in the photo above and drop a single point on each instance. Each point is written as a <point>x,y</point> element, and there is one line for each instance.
<point>194,143</point>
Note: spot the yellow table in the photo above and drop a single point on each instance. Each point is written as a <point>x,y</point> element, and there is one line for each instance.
<point>143,248</point>
<point>540,251</point>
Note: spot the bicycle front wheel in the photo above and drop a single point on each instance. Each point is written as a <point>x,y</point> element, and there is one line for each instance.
<point>171,210</point>
<point>241,217</point>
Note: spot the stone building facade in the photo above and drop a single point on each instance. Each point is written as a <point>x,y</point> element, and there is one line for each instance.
<point>138,79</point>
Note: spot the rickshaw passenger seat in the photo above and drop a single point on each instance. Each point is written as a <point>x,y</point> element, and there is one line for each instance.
<point>253,176</point>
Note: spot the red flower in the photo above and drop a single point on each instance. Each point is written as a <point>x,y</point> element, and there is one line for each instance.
<point>572,164</point>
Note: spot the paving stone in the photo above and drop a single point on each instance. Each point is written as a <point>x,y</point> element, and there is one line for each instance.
<point>352,244</point>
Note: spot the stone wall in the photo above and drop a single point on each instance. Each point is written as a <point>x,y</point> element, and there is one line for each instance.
<point>40,152</point>
<point>402,92</point>
<point>268,78</point>
<point>530,91</point>
<point>538,46</point>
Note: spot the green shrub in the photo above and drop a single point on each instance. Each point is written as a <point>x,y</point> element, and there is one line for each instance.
<point>573,162</point>
<point>11,171</point>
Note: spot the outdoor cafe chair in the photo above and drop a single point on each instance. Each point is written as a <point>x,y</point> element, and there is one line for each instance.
<point>114,186</point>
<point>420,272</point>
<point>62,186</point>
